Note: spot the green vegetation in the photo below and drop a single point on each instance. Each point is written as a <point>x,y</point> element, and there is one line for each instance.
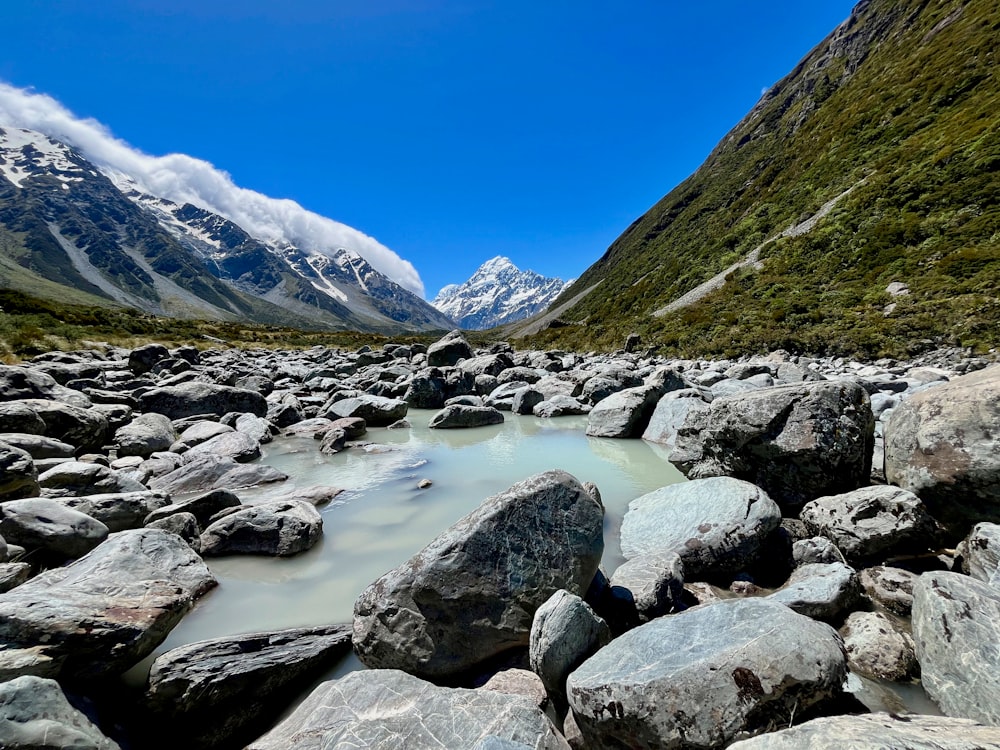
<point>901,105</point>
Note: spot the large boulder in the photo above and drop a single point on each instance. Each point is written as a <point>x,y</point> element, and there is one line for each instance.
<point>38,446</point>
<point>716,525</point>
<point>49,527</point>
<point>881,731</point>
<point>877,649</point>
<point>388,710</point>
<point>103,613</point>
<point>211,472</point>
<point>18,474</point>
<point>426,390</point>
<point>118,510</point>
<point>35,715</point>
<point>377,411</point>
<point>195,397</point>
<point>956,628</point>
<point>564,633</point>
<point>144,435</point>
<point>458,415</point>
<point>797,442</point>
<point>202,506</point>
<point>229,689</point>
<point>472,592</point>
<point>18,383</point>
<point>448,350</point>
<point>705,676</point>
<point>86,429</point>
<point>279,528</point>
<point>77,478</point>
<point>871,521</point>
<point>142,359</point>
<point>943,444</point>
<point>670,413</point>
<point>981,553</point>
<point>236,445</point>
<point>820,590</point>
<point>625,413</point>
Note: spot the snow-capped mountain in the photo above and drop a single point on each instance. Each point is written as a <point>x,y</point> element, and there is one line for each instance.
<point>497,293</point>
<point>66,221</point>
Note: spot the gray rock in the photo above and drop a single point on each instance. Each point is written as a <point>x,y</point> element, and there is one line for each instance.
<point>280,528</point>
<point>38,446</point>
<point>716,525</point>
<point>564,633</point>
<point>238,446</point>
<point>142,359</point>
<point>877,649</point>
<point>797,442</point>
<point>334,441</point>
<point>458,415</point>
<point>956,627</point>
<point>18,417</point>
<point>670,414</point>
<point>185,525</point>
<point>426,390</point>
<point>519,682</point>
<point>448,350</point>
<point>625,413</point>
<point>703,677</point>
<point>821,591</point>
<point>101,614</point>
<point>118,510</point>
<point>817,549</point>
<point>198,433</point>
<point>653,585</point>
<point>13,574</point>
<point>202,506</point>
<point>472,592</point>
<point>79,478</point>
<point>144,435</point>
<point>35,715</point>
<point>18,473</point>
<point>210,472</point>
<point>375,410</point>
<point>942,444</point>
<point>388,710</point>
<point>354,427</point>
<point>256,427</point>
<point>981,552</point>
<point>879,732</point>
<point>872,521</point>
<point>228,689</point>
<point>525,400</point>
<point>86,429</point>
<point>195,397</point>
<point>17,383</point>
<point>560,405</point>
<point>502,397</point>
<point>890,588</point>
<point>53,529</point>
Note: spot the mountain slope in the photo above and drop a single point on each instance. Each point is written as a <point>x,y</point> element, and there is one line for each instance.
<point>898,103</point>
<point>496,294</point>
<point>67,225</point>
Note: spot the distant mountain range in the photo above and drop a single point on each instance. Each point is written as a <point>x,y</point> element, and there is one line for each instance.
<point>871,168</point>
<point>496,294</point>
<point>76,232</point>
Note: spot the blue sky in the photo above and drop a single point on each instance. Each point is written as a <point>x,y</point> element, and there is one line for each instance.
<point>450,131</point>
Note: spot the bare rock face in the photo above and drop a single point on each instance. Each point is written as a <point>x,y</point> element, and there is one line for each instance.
<point>943,444</point>
<point>472,593</point>
<point>700,678</point>
<point>388,710</point>
<point>797,442</point>
<point>34,714</point>
<point>887,731</point>
<point>222,688</point>
<point>104,612</point>
<point>956,627</point>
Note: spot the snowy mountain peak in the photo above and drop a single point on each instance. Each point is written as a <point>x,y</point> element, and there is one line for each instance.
<point>497,293</point>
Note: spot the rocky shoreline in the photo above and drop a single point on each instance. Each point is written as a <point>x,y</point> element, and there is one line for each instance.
<point>840,519</point>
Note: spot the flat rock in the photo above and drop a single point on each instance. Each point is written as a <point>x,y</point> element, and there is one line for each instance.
<point>279,528</point>
<point>388,709</point>
<point>797,442</point>
<point>38,446</point>
<point>472,592</point>
<point>943,444</point>
<point>78,478</point>
<point>195,397</point>
<point>818,590</point>
<point>458,415</point>
<point>228,689</point>
<point>956,628</point>
<point>118,510</point>
<point>716,525</point>
<point>879,732</point>
<point>49,527</point>
<point>703,677</point>
<point>377,411</point>
<point>870,521</point>
<point>209,471</point>
<point>101,614</point>
<point>35,715</point>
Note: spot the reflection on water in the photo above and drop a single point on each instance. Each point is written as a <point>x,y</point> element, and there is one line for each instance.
<point>382,518</point>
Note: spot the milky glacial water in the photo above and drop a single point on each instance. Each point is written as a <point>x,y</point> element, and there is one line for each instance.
<point>382,518</point>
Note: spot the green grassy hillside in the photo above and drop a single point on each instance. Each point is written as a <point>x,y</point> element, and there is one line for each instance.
<point>902,103</point>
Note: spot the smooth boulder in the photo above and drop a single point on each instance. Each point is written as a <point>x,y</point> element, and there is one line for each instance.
<point>705,676</point>
<point>448,350</point>
<point>50,527</point>
<point>195,397</point>
<point>280,527</point>
<point>377,411</point>
<point>472,593</point>
<point>388,709</point>
<point>144,435</point>
<point>457,416</point>
<point>35,715</point>
<point>564,633</point>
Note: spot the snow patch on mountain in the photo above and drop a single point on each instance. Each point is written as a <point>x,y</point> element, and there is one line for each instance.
<point>497,293</point>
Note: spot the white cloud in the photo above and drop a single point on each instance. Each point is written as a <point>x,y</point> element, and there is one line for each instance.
<point>183,178</point>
